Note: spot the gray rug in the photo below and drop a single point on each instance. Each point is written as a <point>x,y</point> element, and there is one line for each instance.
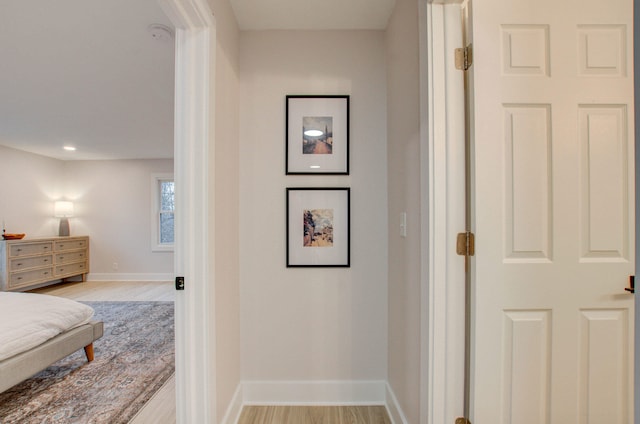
<point>133,359</point>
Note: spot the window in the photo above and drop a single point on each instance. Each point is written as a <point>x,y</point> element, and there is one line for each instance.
<point>163,207</point>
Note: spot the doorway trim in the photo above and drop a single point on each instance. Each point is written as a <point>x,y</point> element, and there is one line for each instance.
<point>193,134</point>
<point>442,97</point>
<point>636,136</point>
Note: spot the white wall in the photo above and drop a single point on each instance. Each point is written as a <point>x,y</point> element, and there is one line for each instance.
<point>312,324</point>
<point>405,193</point>
<point>112,202</point>
<point>225,203</point>
<point>29,186</point>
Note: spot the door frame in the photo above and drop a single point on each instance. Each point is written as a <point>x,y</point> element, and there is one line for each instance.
<point>442,138</point>
<point>193,138</point>
<point>636,84</point>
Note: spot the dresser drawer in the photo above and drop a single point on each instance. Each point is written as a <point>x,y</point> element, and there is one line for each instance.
<point>28,249</point>
<point>70,244</point>
<point>21,278</point>
<point>31,262</point>
<point>73,269</point>
<point>65,258</point>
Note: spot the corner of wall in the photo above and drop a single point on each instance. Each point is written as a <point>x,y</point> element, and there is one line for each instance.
<point>232,414</point>
<point>393,407</point>
<point>406,171</point>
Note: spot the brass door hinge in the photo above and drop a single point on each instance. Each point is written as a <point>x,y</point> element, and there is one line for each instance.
<point>462,420</point>
<point>466,244</point>
<point>464,58</point>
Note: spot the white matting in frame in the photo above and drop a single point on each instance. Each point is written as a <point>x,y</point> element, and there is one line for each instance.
<point>318,227</point>
<point>317,134</point>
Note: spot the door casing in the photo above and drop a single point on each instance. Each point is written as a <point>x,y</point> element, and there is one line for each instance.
<point>444,166</point>
<point>193,138</point>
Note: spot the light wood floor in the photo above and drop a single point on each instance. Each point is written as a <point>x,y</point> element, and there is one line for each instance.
<point>314,415</point>
<point>113,290</point>
<point>161,409</point>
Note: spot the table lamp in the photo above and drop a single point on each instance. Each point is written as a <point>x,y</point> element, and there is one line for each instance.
<point>63,210</point>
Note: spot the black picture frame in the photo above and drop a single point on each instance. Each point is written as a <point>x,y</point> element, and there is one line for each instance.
<point>317,134</point>
<point>318,227</point>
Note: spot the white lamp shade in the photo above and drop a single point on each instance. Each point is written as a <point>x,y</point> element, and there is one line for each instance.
<point>63,209</point>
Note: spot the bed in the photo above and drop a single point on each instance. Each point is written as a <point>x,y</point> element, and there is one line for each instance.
<point>37,330</point>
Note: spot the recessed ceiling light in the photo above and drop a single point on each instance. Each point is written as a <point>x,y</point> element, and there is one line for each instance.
<point>69,148</point>
<point>313,133</point>
<point>315,167</point>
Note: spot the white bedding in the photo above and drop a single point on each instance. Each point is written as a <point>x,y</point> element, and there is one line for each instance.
<point>28,320</point>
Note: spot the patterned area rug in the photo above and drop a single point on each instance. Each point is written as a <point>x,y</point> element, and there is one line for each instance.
<point>133,359</point>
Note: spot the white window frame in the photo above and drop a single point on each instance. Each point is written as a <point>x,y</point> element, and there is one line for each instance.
<point>156,246</point>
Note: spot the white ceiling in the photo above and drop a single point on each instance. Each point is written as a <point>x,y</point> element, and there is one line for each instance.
<point>88,72</point>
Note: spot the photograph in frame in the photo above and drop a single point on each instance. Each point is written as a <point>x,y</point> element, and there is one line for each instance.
<point>317,134</point>
<point>318,233</point>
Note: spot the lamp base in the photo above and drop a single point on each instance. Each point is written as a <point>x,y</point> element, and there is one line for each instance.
<point>63,230</point>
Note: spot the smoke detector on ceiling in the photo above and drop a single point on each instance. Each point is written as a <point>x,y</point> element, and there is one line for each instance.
<point>160,32</point>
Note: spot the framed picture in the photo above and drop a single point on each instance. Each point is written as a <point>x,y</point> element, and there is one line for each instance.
<point>318,227</point>
<point>317,135</point>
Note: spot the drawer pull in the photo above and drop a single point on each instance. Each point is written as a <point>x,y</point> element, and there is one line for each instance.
<point>19,250</point>
<point>61,269</point>
<point>19,278</point>
<point>46,260</point>
<point>19,264</point>
<point>46,273</point>
<point>61,257</point>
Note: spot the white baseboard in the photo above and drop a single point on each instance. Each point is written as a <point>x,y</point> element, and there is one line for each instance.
<point>235,407</point>
<point>357,392</point>
<point>393,407</point>
<point>92,276</point>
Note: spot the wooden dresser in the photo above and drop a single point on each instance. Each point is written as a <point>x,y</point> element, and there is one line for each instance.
<point>30,263</point>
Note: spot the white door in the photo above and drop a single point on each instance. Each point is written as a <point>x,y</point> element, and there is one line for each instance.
<point>554,209</point>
